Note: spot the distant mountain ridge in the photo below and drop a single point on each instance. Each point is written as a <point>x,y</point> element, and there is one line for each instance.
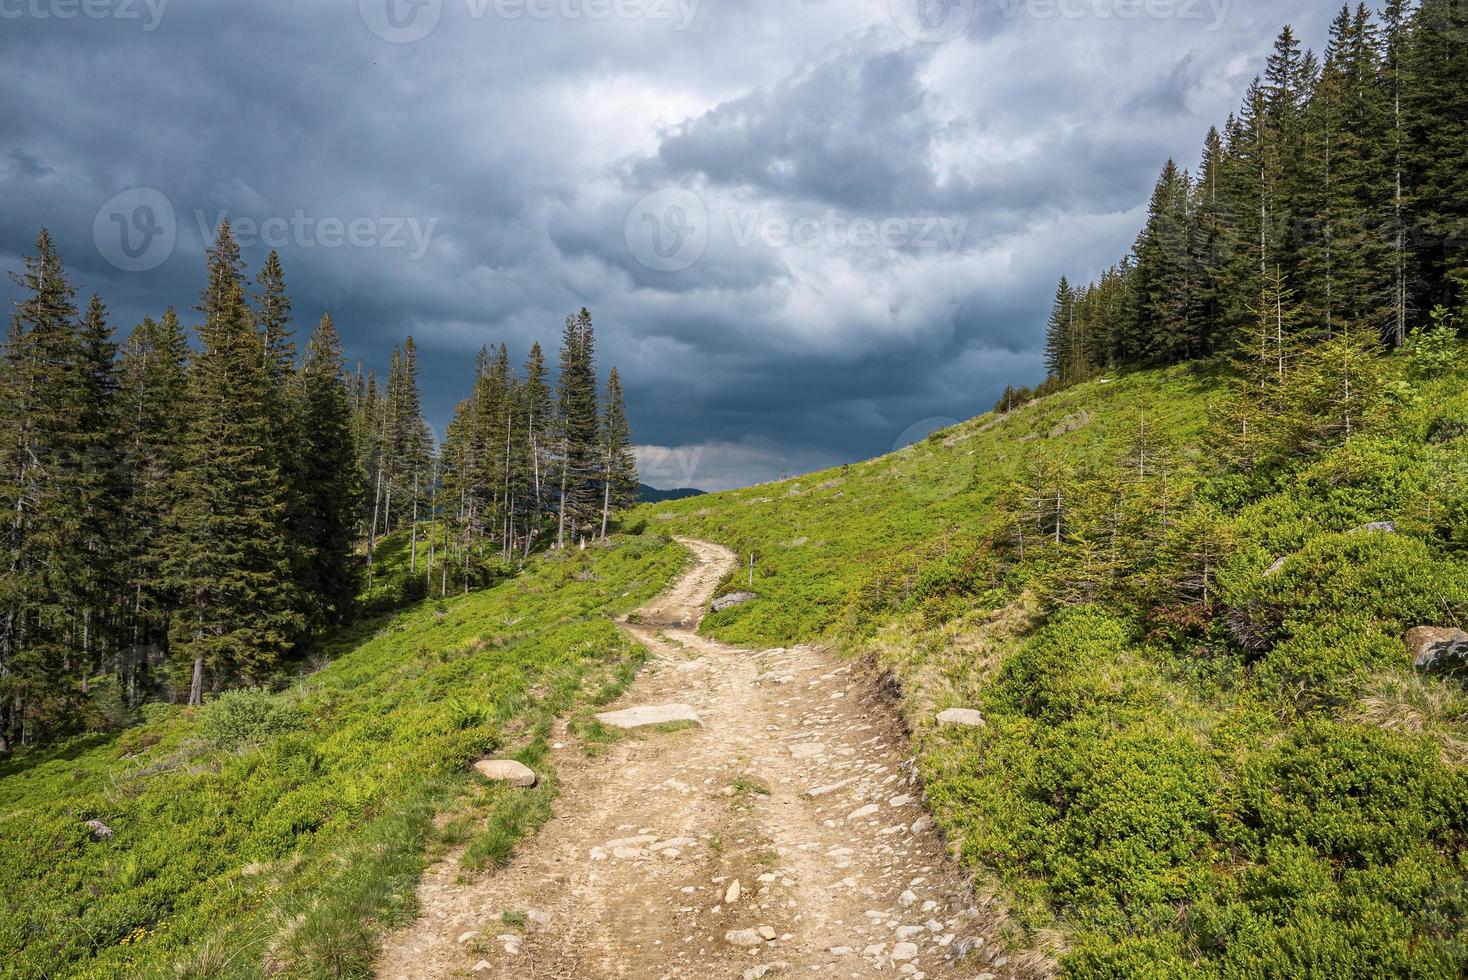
<point>652,495</point>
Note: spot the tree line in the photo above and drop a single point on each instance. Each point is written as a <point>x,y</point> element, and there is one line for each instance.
<point>1333,202</point>
<point>185,510</point>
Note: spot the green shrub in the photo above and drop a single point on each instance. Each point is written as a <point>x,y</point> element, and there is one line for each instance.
<point>249,717</point>
<point>1358,795</point>
<point>1055,676</point>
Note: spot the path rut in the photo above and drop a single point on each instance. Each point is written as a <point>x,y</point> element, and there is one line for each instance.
<point>796,786</point>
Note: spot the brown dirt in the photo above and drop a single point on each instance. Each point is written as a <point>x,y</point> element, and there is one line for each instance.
<point>797,785</point>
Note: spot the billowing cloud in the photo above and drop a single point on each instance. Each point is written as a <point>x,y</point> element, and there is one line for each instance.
<point>805,228</point>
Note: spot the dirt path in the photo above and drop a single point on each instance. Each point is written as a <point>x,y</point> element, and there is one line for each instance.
<point>796,787</point>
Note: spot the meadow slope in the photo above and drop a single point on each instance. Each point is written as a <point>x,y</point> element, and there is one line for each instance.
<point>1207,751</point>
<point>281,833</point>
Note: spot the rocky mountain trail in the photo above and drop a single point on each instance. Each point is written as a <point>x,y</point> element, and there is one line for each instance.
<point>784,835</point>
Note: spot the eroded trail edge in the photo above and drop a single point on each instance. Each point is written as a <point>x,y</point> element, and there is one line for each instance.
<point>783,836</point>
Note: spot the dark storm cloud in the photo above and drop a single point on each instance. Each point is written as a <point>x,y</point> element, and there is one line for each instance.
<point>476,184</point>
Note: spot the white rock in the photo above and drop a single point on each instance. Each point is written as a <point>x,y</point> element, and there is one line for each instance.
<point>921,824</point>
<point>766,932</point>
<point>645,715</point>
<point>464,937</point>
<point>483,966</point>
<point>505,771</point>
<point>538,919</point>
<point>903,800</point>
<point>865,811</point>
<point>967,717</point>
<point>909,932</point>
<point>904,951</point>
<point>806,750</point>
<point>906,899</point>
<point>743,937</point>
<point>731,894</point>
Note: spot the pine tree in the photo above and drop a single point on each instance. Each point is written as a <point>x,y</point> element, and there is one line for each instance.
<point>330,481</point>
<point>153,390</point>
<point>1435,119</point>
<point>535,399</point>
<point>1164,273</point>
<point>97,494</point>
<point>619,478</point>
<point>41,377</point>
<point>1058,332</point>
<point>577,424</point>
<point>229,558</point>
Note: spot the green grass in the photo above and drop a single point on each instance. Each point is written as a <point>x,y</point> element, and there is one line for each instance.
<point>1151,796</point>
<point>282,832</point>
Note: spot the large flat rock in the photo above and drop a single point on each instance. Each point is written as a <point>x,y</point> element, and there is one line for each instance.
<point>651,714</point>
<point>505,771</point>
<point>967,717</point>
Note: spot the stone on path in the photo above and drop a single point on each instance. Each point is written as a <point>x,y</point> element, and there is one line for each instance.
<point>961,716</point>
<point>650,714</point>
<point>743,937</point>
<point>732,894</point>
<point>732,599</point>
<point>505,771</point>
<point>904,951</point>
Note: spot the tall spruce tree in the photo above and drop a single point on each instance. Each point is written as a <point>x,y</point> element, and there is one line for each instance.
<point>331,485</point>
<point>577,425</point>
<point>229,557</point>
<point>153,392</point>
<point>42,374</point>
<point>620,484</point>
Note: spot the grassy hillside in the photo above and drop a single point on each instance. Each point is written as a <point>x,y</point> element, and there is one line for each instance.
<point>1206,750</point>
<point>278,832</point>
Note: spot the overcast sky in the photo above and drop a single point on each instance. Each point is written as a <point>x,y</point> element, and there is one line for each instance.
<point>808,230</point>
